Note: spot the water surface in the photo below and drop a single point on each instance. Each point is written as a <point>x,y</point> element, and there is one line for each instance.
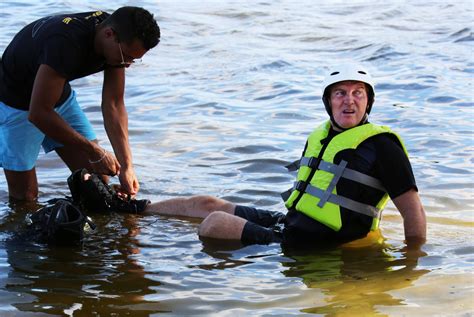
<point>224,102</point>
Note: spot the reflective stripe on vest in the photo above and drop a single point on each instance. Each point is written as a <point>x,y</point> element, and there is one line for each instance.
<point>319,199</point>
<point>347,173</point>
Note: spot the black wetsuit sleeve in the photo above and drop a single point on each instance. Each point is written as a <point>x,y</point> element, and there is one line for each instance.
<point>393,166</point>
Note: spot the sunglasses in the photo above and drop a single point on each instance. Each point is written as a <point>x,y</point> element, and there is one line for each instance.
<point>124,63</point>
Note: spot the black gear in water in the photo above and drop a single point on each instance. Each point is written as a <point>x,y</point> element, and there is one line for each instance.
<point>60,223</point>
<point>94,194</point>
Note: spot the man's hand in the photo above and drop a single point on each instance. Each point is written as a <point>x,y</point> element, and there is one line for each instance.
<point>103,162</point>
<point>128,181</point>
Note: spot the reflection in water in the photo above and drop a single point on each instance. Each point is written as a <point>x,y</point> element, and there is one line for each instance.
<point>100,277</point>
<point>221,250</point>
<point>355,279</point>
<point>358,278</point>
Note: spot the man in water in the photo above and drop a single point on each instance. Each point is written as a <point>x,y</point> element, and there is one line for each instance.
<point>347,173</point>
<point>38,106</point>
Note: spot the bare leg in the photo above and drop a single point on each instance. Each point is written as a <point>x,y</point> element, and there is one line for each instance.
<point>195,206</point>
<point>22,185</point>
<point>219,219</point>
<point>221,225</point>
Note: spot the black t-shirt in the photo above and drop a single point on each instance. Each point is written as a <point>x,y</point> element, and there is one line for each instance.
<point>380,156</point>
<point>63,42</point>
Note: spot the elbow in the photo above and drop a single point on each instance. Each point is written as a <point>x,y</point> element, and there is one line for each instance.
<point>34,118</point>
<point>38,116</point>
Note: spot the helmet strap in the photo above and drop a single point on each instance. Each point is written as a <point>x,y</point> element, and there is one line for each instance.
<point>336,126</point>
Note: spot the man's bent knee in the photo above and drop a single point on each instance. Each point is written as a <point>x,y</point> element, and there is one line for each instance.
<point>210,204</point>
<point>221,225</point>
<point>208,225</point>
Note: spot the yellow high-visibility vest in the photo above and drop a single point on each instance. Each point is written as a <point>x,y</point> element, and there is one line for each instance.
<point>314,192</point>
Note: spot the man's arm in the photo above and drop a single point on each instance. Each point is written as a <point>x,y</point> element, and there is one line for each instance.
<point>47,90</point>
<point>116,126</point>
<point>414,219</point>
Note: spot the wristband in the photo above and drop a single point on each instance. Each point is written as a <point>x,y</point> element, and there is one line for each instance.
<point>99,160</point>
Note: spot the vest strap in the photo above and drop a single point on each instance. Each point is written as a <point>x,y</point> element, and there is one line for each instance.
<point>293,166</point>
<point>286,194</point>
<point>348,173</point>
<point>345,202</point>
<point>337,175</point>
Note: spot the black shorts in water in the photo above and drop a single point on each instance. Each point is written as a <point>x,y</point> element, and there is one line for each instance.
<point>262,227</point>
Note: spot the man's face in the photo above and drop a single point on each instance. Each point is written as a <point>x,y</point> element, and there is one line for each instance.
<point>121,54</point>
<point>131,53</point>
<point>348,103</point>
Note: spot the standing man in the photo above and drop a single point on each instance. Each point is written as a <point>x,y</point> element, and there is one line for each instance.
<point>39,108</point>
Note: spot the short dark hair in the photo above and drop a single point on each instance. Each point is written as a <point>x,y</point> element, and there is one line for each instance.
<point>135,23</point>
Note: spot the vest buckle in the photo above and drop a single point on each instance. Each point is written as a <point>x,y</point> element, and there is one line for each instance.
<point>300,186</point>
<point>313,162</point>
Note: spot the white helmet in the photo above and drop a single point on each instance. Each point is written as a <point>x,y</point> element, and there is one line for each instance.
<point>348,72</point>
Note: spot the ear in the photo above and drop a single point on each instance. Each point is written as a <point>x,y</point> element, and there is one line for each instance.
<point>109,32</point>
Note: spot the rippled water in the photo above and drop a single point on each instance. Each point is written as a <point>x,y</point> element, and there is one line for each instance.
<point>222,104</point>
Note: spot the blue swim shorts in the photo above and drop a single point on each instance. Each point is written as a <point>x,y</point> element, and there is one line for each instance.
<point>20,140</point>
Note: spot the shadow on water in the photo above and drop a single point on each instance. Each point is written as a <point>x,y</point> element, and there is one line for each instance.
<point>101,277</point>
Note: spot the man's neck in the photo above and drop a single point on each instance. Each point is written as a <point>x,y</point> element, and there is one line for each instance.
<point>337,128</point>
